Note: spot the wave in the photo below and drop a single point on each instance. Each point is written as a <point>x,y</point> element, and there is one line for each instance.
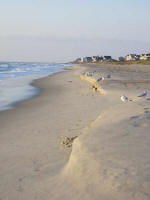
<point>15,80</point>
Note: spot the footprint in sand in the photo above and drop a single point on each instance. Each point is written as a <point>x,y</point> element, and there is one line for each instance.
<point>134,120</point>
<point>146,110</point>
<point>134,117</point>
<point>147,116</point>
<point>141,120</point>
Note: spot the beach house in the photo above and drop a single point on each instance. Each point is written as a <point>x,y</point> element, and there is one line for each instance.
<point>88,59</point>
<point>97,58</point>
<point>94,58</point>
<point>145,56</point>
<point>107,58</point>
<point>121,59</point>
<point>130,57</point>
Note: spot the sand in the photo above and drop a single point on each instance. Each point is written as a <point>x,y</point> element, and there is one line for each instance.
<point>109,160</point>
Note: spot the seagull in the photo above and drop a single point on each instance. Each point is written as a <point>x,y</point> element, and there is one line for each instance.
<point>143,94</point>
<point>124,98</point>
<point>100,79</point>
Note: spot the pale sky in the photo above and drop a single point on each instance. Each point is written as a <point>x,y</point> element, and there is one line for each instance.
<point>61,30</point>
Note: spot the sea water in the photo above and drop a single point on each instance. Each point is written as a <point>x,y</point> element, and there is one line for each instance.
<point>16,79</point>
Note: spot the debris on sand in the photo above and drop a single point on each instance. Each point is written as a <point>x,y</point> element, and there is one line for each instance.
<point>94,88</point>
<point>67,142</point>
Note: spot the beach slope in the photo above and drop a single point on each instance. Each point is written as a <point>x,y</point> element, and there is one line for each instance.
<point>109,158</point>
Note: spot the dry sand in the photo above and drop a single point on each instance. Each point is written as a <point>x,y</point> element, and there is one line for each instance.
<point>110,159</point>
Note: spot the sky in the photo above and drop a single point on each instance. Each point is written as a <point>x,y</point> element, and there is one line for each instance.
<point>62,30</point>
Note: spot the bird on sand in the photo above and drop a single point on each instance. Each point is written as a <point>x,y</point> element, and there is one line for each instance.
<point>100,79</point>
<point>143,94</point>
<point>124,98</point>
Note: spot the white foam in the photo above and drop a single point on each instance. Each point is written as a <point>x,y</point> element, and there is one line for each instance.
<point>15,84</point>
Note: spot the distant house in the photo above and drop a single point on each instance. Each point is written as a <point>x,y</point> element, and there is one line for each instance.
<point>97,58</point>
<point>79,60</point>
<point>100,58</point>
<point>148,56</point>
<point>121,59</point>
<point>145,56</point>
<point>107,58</point>
<point>94,58</point>
<point>88,59</point>
<point>137,57</point>
<point>130,57</point>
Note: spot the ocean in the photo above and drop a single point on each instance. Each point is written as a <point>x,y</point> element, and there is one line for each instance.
<point>16,79</point>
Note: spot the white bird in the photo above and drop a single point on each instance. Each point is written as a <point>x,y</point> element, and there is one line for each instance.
<point>124,98</point>
<point>143,94</point>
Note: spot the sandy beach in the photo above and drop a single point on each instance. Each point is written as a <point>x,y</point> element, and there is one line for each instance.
<point>109,159</point>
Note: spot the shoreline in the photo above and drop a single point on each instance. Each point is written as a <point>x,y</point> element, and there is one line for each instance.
<point>36,87</point>
<point>109,158</point>
<point>20,88</point>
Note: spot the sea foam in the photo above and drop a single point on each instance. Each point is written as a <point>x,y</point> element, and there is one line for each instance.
<point>16,79</point>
